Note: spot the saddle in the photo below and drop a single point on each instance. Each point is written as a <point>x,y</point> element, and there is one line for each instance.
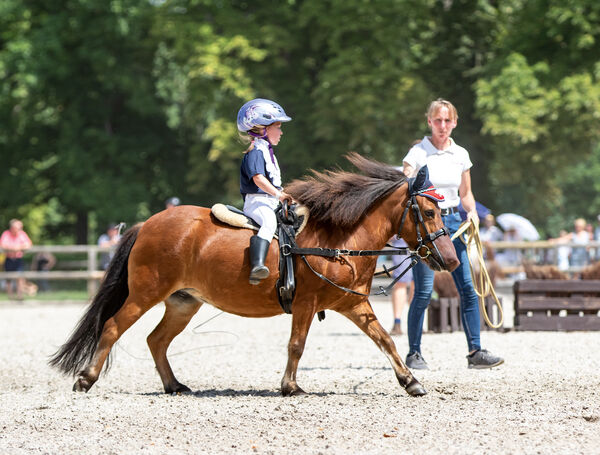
<point>233,216</point>
<point>290,222</point>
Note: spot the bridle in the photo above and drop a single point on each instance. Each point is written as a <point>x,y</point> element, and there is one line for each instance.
<point>411,203</point>
<point>423,251</point>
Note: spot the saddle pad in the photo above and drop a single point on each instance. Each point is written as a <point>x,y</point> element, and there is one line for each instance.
<point>238,219</point>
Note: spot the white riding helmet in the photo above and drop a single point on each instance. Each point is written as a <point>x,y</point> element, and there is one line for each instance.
<point>260,112</point>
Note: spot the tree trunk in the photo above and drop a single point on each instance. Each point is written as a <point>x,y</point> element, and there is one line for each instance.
<point>81,228</point>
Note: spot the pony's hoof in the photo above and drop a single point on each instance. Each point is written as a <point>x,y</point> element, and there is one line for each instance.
<point>81,385</point>
<point>415,389</point>
<point>293,392</point>
<point>178,389</point>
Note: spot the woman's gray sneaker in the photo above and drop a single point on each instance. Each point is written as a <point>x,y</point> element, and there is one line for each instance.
<point>483,359</point>
<point>416,361</point>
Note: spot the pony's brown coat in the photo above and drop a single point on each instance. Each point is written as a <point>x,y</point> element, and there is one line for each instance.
<point>185,257</point>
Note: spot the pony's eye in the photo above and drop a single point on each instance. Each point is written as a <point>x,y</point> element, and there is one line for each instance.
<point>429,213</point>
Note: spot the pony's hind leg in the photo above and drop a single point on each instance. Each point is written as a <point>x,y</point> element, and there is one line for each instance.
<point>363,316</point>
<point>114,327</point>
<point>180,307</point>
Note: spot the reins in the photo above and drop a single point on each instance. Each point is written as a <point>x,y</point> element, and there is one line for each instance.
<point>483,284</point>
<point>382,290</point>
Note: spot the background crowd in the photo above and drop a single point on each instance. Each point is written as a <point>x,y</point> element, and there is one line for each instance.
<point>14,243</point>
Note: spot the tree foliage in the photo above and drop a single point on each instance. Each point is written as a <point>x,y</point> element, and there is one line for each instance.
<point>108,108</point>
<point>539,102</point>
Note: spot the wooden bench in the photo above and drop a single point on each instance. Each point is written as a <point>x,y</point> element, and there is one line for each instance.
<point>443,315</point>
<point>557,304</point>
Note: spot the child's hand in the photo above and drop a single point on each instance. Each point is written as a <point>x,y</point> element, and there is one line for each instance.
<point>283,196</point>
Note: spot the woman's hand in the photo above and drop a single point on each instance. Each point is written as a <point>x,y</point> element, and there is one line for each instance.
<point>472,215</point>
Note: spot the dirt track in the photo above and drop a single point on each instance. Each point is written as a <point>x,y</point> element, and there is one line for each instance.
<point>546,398</point>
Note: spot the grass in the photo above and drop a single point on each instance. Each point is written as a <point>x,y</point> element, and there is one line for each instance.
<point>53,295</point>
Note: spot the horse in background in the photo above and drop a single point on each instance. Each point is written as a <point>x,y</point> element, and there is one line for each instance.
<point>543,272</point>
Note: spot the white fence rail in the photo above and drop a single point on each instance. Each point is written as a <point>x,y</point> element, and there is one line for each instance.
<point>543,252</point>
<point>90,273</point>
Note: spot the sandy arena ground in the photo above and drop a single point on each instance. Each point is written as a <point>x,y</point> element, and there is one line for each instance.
<point>545,398</point>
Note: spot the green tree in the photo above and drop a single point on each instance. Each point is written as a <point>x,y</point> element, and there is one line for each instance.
<point>349,84</point>
<point>539,101</point>
<point>81,113</point>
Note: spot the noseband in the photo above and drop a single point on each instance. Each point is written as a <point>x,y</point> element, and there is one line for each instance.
<point>423,250</point>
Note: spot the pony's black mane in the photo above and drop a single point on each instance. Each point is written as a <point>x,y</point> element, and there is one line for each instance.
<point>341,198</point>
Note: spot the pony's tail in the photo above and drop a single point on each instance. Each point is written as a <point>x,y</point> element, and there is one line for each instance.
<point>81,346</point>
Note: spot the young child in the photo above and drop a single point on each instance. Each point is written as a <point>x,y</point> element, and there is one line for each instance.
<point>260,176</point>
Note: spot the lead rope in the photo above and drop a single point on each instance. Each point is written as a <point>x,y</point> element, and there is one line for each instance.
<point>483,284</point>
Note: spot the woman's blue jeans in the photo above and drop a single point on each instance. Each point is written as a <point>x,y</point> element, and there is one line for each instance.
<point>469,302</point>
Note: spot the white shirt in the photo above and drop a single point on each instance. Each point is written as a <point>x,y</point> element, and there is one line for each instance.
<point>271,168</point>
<point>445,167</point>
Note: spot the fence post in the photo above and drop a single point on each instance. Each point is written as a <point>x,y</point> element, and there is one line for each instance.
<point>92,266</point>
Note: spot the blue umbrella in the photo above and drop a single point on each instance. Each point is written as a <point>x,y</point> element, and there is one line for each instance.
<point>482,211</point>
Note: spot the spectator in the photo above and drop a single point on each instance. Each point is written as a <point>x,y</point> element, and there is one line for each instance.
<point>591,252</point>
<point>172,202</point>
<point>597,239</point>
<point>109,240</point>
<point>43,262</point>
<point>14,241</point>
<point>562,252</point>
<point>512,256</point>
<point>579,255</point>
<point>590,230</point>
<point>489,232</point>
<point>402,291</point>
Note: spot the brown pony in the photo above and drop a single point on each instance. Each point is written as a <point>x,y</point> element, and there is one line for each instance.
<point>186,257</point>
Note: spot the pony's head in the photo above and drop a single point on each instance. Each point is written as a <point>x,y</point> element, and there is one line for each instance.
<point>421,224</point>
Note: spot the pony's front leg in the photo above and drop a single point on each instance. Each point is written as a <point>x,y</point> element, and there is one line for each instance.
<point>363,316</point>
<point>302,317</point>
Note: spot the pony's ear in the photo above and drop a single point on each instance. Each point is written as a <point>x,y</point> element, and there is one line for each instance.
<point>421,179</point>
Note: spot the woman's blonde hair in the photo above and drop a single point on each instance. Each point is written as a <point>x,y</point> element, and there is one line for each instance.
<point>440,103</point>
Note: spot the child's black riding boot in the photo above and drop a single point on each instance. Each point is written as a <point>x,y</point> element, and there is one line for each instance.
<point>258,253</point>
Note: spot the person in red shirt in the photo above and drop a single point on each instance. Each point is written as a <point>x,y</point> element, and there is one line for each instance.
<point>14,241</point>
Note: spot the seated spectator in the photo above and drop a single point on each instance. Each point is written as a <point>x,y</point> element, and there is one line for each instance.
<point>109,239</point>
<point>14,241</point>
